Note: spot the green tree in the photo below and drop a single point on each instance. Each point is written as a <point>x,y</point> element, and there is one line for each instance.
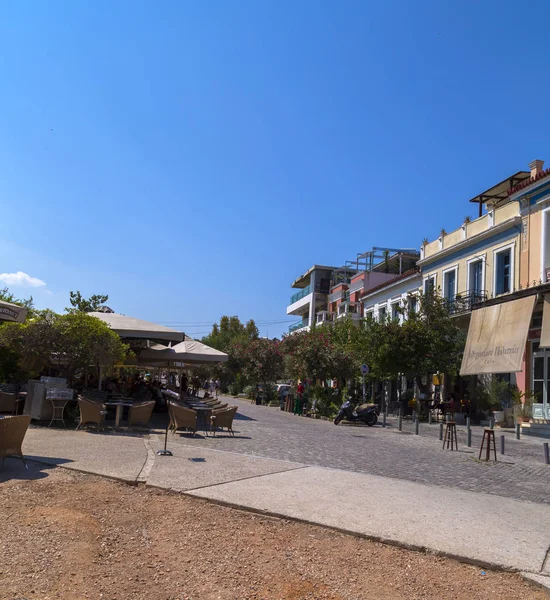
<point>71,342</point>
<point>429,341</point>
<point>262,362</point>
<point>229,331</point>
<point>228,336</point>
<point>319,354</point>
<point>81,304</point>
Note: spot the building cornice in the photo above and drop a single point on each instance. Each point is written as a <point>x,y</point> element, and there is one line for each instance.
<point>496,229</point>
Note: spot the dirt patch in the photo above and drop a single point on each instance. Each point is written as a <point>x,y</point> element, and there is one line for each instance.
<point>71,536</point>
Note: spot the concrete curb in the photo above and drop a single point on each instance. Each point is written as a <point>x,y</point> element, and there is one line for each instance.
<point>373,538</point>
<point>536,579</point>
<point>541,581</point>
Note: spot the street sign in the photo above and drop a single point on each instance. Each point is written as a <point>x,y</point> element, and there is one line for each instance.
<point>364,369</point>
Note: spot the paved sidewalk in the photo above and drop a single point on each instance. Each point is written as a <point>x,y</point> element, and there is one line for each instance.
<point>493,531</point>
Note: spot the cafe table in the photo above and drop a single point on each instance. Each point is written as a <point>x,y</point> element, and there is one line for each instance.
<point>120,403</point>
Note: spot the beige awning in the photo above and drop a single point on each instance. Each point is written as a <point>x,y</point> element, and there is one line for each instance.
<point>545,333</point>
<point>130,327</point>
<point>497,337</point>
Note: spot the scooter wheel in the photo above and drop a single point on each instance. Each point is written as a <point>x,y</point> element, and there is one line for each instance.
<point>337,419</point>
<point>372,420</point>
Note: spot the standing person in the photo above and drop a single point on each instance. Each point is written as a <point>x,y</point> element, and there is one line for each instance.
<point>299,399</point>
<point>183,386</point>
<point>217,385</point>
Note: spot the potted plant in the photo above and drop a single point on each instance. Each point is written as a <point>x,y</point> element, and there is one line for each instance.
<point>499,397</point>
<point>523,405</point>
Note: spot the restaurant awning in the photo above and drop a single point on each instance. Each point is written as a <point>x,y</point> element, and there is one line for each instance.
<point>188,351</point>
<point>12,312</point>
<point>130,327</point>
<point>497,336</point>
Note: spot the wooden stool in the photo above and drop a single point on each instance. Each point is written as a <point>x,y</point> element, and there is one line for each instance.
<point>450,436</point>
<point>488,434</point>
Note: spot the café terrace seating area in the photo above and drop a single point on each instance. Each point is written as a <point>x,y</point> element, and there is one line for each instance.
<point>116,403</point>
<point>185,413</point>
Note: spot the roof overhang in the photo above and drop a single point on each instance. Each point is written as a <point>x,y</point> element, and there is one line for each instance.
<point>499,191</point>
<point>303,280</point>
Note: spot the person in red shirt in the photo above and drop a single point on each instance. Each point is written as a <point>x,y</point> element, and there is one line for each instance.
<point>299,399</point>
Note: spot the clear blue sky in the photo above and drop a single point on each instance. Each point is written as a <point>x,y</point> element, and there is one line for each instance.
<point>191,159</point>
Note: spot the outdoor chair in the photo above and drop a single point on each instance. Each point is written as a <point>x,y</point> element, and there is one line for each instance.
<point>140,414</point>
<point>90,413</point>
<point>182,418</point>
<point>223,418</point>
<point>8,402</point>
<point>12,432</point>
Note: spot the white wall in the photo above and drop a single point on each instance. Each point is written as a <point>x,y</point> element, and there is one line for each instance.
<point>386,297</point>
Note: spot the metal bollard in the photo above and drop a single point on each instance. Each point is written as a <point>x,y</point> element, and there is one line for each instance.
<point>383,419</point>
<point>469,437</point>
<point>502,444</point>
<point>546,453</point>
<point>492,423</point>
<point>430,417</point>
<point>416,426</point>
<point>400,423</point>
<point>441,432</point>
<point>468,422</point>
<point>518,431</point>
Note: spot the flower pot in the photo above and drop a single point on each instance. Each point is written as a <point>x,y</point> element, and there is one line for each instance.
<point>522,419</point>
<point>498,416</point>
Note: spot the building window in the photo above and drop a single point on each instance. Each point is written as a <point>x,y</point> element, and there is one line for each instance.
<point>395,311</point>
<point>369,316</point>
<point>429,285</point>
<point>503,271</point>
<point>449,284</point>
<point>413,304</point>
<point>382,311</point>
<point>476,277</point>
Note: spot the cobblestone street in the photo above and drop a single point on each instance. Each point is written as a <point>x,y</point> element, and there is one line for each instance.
<point>271,433</point>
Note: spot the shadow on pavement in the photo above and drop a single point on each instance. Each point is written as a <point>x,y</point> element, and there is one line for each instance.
<point>14,469</point>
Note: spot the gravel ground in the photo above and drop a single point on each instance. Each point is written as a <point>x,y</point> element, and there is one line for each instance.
<point>72,536</point>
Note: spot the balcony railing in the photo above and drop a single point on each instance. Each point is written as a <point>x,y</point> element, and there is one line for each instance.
<point>297,325</point>
<point>463,303</point>
<point>299,295</point>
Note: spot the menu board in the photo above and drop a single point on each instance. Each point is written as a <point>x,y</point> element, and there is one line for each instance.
<point>59,394</point>
<point>53,379</point>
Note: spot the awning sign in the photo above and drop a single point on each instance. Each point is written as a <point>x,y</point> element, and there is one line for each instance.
<point>497,337</point>
<point>12,312</point>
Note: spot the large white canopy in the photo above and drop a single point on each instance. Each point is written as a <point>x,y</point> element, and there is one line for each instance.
<point>129,327</point>
<point>188,351</point>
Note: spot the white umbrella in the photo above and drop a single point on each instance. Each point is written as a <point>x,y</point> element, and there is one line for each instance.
<point>188,351</point>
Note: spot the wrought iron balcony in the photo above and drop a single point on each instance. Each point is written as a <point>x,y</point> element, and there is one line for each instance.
<point>463,303</point>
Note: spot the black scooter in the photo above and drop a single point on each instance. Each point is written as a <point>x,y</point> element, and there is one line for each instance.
<point>367,415</point>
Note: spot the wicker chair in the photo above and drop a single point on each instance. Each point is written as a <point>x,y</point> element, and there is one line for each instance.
<point>12,432</point>
<point>181,417</point>
<point>223,418</point>
<point>7,402</point>
<point>140,413</point>
<point>90,412</point>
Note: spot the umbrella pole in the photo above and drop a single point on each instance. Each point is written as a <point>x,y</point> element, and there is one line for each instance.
<point>165,452</point>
